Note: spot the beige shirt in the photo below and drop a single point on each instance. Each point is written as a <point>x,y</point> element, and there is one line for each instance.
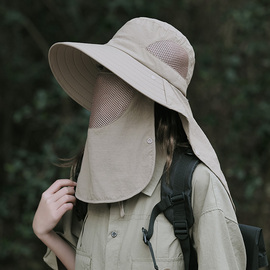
<point>111,235</point>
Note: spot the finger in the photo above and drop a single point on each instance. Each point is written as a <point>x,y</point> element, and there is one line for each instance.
<point>64,200</point>
<point>64,208</point>
<point>58,184</point>
<point>62,192</point>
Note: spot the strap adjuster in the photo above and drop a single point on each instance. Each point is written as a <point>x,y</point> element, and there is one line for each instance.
<point>178,198</point>
<point>181,229</point>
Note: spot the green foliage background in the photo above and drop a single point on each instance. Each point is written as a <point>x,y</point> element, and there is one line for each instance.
<point>229,95</point>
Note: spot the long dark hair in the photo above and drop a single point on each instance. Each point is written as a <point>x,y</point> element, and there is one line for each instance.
<point>169,132</point>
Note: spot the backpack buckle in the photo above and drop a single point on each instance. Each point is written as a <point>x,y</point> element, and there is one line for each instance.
<point>145,239</point>
<point>148,243</point>
<point>178,198</point>
<point>181,229</point>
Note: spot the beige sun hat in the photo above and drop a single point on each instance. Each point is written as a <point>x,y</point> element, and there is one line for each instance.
<point>150,55</point>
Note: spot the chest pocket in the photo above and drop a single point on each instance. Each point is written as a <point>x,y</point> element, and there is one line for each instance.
<point>83,262</point>
<point>166,248</point>
<point>167,245</point>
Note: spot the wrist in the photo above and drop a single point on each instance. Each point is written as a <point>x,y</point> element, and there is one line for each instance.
<point>44,236</point>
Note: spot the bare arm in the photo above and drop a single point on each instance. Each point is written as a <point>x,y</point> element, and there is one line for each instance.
<point>55,202</point>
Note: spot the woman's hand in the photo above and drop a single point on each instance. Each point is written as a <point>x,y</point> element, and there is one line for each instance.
<point>54,203</point>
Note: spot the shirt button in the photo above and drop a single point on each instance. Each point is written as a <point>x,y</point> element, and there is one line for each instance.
<point>149,140</point>
<point>113,234</point>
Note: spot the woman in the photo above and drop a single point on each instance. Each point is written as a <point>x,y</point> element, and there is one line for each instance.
<point>135,87</point>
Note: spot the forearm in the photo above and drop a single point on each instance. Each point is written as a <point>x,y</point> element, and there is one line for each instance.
<point>63,251</point>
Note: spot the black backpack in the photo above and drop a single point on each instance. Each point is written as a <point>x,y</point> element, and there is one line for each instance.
<point>176,205</point>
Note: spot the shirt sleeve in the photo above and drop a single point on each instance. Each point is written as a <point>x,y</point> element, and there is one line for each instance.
<point>71,229</point>
<point>216,234</point>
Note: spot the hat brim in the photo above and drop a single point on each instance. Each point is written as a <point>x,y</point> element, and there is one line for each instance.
<point>75,67</point>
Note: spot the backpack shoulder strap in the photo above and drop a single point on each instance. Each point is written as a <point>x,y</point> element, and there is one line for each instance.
<point>176,203</point>
<point>182,210</point>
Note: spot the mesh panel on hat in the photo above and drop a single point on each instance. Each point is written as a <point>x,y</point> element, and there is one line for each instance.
<point>171,53</point>
<point>111,97</point>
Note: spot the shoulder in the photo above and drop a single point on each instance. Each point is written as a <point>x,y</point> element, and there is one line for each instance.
<point>208,193</point>
<point>204,179</point>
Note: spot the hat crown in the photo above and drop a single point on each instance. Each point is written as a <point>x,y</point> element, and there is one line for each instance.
<point>160,47</point>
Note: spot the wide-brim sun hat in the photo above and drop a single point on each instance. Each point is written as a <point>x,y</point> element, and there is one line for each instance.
<point>151,56</point>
